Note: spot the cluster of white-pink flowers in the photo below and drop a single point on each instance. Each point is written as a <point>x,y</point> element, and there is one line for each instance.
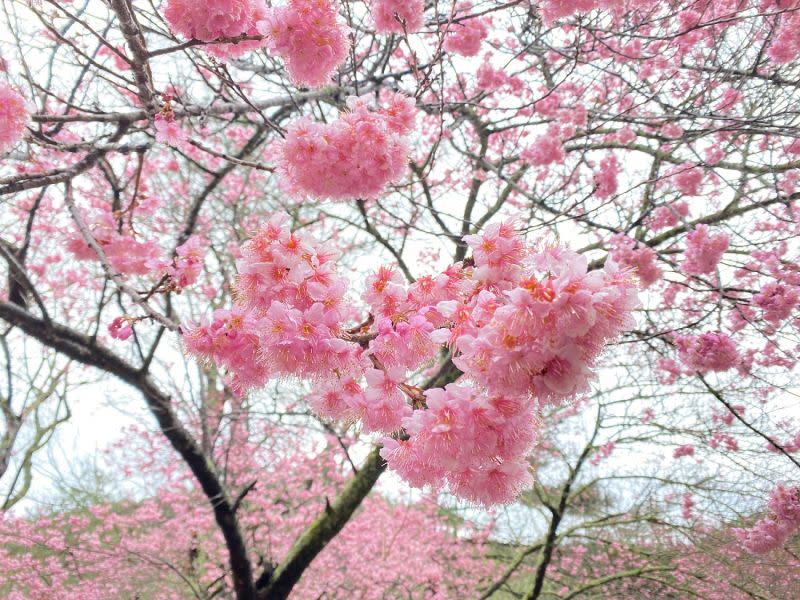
<point>355,156</point>
<point>13,117</point>
<point>772,531</point>
<point>523,325</point>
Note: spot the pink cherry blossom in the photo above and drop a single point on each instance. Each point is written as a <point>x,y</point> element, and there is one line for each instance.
<point>703,250</point>
<point>356,156</point>
<point>628,253</point>
<point>309,37</point>
<point>210,20</point>
<point>777,300</point>
<point>397,16</point>
<point>13,117</point>
<point>710,351</point>
<point>464,36</point>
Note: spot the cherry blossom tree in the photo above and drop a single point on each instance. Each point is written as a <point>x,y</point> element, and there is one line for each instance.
<point>533,263</point>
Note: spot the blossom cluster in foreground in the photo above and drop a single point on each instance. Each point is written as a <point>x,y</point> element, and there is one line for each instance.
<point>524,326</point>
<point>772,531</point>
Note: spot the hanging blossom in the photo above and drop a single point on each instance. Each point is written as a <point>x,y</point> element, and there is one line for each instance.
<point>188,263</point>
<point>524,326</point>
<point>465,33</point>
<point>703,250</point>
<point>125,253</point>
<point>355,156</point>
<point>532,333</point>
<point>710,351</point>
<point>213,19</point>
<point>253,32</point>
<point>13,117</point>
<point>168,130</point>
<point>627,252</point>
<point>309,37</point>
<point>546,149</point>
<point>772,531</point>
<point>397,16</point>
<point>777,300</point>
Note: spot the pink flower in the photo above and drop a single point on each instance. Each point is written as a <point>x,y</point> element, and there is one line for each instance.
<point>356,156</point>
<point>211,19</point>
<point>688,179</point>
<point>335,400</point>
<point>628,253</point>
<point>785,46</point>
<point>308,36</point>
<point>772,531</point>
<point>498,252</point>
<point>671,130</point>
<point>687,506</point>
<point>383,406</point>
<point>464,36</point>
<point>546,149</point>
<point>669,216</point>
<point>553,10</point>
<point>495,484</point>
<point>710,351</point>
<point>189,261</point>
<point>605,179</point>
<point>120,328</point>
<point>169,131</point>
<point>231,340</point>
<point>681,451</point>
<point>777,300</point>
<point>524,325</point>
<point>397,16</point>
<point>703,251</point>
<point>13,117</point>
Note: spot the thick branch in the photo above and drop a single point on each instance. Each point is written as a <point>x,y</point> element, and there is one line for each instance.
<point>323,529</point>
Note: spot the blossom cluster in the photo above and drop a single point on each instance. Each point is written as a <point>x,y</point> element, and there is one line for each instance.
<point>286,319</point>
<point>13,117</point>
<point>784,45</point>
<point>307,34</point>
<point>703,250</point>
<point>355,156</point>
<point>627,252</point>
<point>125,253</point>
<point>709,351</point>
<point>213,19</point>
<point>526,333</point>
<point>466,33</point>
<point>553,10</point>
<point>524,327</point>
<point>772,531</point>
<point>397,16</point>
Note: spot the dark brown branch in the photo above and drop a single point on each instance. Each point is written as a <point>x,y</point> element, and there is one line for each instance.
<point>82,349</point>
